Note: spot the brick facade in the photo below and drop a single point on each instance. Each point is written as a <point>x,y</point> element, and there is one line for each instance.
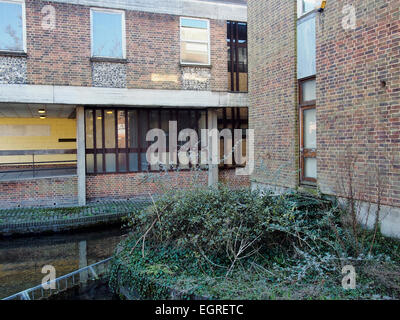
<point>357,114</point>
<point>62,56</point>
<point>272,90</point>
<point>229,177</point>
<point>46,192</point>
<point>358,97</point>
<point>140,185</point>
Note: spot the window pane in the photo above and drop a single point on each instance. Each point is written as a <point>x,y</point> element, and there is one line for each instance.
<point>90,163</point>
<point>143,127</point>
<point>309,90</point>
<point>194,23</point>
<point>107,34</point>
<point>144,163</point>
<point>122,162</point>
<point>11,30</point>
<point>99,163</point>
<point>111,165</point>
<point>109,125</point>
<point>306,48</point>
<point>310,129</point>
<point>310,168</point>
<point>242,32</point>
<point>193,34</point>
<point>121,130</point>
<point>132,127</point>
<point>99,129</point>
<point>133,162</point>
<point>89,129</point>
<point>194,52</point>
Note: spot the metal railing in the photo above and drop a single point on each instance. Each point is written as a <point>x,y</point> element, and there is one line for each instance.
<point>68,281</point>
<point>35,166</point>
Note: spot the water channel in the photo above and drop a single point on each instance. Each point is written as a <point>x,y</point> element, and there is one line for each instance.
<point>22,259</point>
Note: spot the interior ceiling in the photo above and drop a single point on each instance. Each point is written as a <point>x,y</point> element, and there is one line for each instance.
<point>8,110</point>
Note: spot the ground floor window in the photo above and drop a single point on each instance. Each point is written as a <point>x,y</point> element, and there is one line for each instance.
<point>231,119</point>
<point>116,137</point>
<point>308,130</point>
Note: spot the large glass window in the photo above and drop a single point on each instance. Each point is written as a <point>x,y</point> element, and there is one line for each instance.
<point>195,41</point>
<point>308,130</point>
<point>237,56</point>
<point>116,138</point>
<point>108,33</point>
<point>12,25</point>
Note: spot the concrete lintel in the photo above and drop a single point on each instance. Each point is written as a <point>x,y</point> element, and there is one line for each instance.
<point>70,95</point>
<point>194,8</point>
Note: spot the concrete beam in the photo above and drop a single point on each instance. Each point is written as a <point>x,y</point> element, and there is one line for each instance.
<point>193,8</point>
<point>213,148</point>
<point>12,93</point>
<point>81,161</point>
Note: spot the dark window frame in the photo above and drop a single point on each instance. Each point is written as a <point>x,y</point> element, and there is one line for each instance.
<point>234,45</point>
<point>305,153</point>
<point>236,122</point>
<point>140,149</point>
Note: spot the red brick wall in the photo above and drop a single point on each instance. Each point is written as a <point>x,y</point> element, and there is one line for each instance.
<point>140,185</point>
<point>356,116</point>
<point>229,177</point>
<point>272,90</point>
<point>62,56</point>
<point>45,192</point>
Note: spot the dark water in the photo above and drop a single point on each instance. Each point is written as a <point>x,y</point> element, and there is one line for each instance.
<point>22,259</point>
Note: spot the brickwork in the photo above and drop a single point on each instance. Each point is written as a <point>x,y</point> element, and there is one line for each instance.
<point>45,192</point>
<point>140,185</point>
<point>357,114</point>
<point>229,177</point>
<point>272,90</point>
<point>62,56</point>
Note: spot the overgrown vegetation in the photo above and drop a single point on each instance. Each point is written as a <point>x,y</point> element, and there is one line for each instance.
<point>243,244</point>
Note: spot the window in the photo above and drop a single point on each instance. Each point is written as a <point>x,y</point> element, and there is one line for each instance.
<point>195,41</point>
<point>232,118</point>
<point>308,130</point>
<point>12,26</point>
<point>305,6</point>
<point>108,33</point>
<point>237,55</point>
<point>116,137</point>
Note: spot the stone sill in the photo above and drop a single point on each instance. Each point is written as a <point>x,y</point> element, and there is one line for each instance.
<point>13,54</point>
<point>112,60</point>
<point>193,65</point>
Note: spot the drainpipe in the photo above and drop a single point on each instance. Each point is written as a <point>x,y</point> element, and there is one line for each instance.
<point>80,147</point>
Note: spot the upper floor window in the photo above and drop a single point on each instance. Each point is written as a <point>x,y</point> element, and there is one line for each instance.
<point>237,55</point>
<point>108,33</point>
<point>12,25</point>
<point>195,41</point>
<point>305,6</point>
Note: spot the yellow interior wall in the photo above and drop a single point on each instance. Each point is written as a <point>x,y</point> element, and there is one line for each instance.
<point>59,129</point>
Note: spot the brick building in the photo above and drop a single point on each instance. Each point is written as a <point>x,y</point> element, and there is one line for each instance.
<point>324,92</point>
<point>81,82</point>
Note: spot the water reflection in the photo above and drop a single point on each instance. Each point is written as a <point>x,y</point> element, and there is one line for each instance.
<point>22,259</point>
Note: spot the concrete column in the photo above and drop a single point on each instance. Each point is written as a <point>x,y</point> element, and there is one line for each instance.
<point>212,147</point>
<point>80,147</point>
